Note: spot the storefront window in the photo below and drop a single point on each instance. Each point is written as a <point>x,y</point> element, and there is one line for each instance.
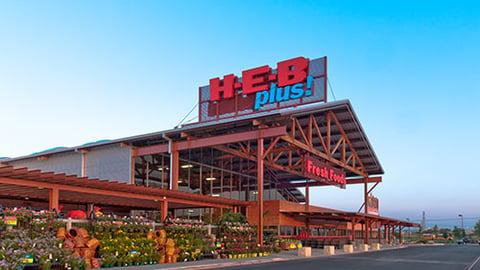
<point>287,230</point>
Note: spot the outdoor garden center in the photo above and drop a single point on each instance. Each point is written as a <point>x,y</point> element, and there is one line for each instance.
<point>225,187</point>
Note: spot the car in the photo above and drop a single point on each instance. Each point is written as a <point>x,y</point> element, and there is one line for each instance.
<point>466,240</point>
<point>469,240</point>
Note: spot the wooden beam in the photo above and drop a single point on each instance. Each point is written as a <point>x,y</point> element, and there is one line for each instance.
<point>322,155</point>
<point>213,140</point>
<point>302,134</point>
<point>163,210</point>
<point>53,199</point>
<point>376,179</point>
<point>260,153</point>
<point>348,141</point>
<point>272,145</point>
<point>106,192</point>
<point>319,133</point>
<point>329,131</point>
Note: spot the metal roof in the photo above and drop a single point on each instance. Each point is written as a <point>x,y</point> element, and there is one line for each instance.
<point>342,109</point>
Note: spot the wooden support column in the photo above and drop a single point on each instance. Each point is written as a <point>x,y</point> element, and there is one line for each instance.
<point>392,235</point>
<point>379,232</point>
<point>363,230</point>
<point>388,234</point>
<point>164,210</point>
<point>260,190</point>
<point>53,197</point>
<point>308,228</point>
<point>307,198</point>
<point>400,234</point>
<point>367,231</point>
<point>354,222</point>
<point>385,233</point>
<point>132,168</point>
<point>365,194</point>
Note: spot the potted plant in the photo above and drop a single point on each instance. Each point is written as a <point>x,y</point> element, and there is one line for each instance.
<point>46,264</point>
<point>108,261</point>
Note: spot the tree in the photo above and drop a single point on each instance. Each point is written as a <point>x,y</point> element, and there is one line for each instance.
<point>435,230</point>
<point>457,233</point>
<point>476,229</point>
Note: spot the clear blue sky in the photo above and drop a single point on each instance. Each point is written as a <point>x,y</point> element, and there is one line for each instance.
<point>73,72</point>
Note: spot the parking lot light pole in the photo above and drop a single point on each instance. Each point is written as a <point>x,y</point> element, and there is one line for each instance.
<point>409,235</point>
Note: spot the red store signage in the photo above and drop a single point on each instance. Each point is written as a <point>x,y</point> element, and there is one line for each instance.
<point>294,82</point>
<point>323,172</point>
<point>372,205</point>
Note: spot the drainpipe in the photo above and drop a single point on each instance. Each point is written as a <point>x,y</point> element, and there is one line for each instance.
<point>170,185</point>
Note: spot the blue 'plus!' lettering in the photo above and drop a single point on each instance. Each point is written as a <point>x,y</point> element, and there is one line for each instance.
<point>280,94</point>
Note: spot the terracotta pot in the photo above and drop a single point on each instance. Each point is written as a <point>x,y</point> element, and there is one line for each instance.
<point>72,233</point>
<point>77,253</point>
<point>95,263</point>
<point>79,242</point>
<point>61,232</point>
<point>83,233</point>
<point>87,253</point>
<point>68,244</point>
<point>93,243</point>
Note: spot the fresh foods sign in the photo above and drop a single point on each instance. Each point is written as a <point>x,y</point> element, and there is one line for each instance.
<point>323,172</point>
<point>294,82</point>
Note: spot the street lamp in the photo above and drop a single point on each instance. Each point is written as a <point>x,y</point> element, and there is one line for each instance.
<point>409,235</point>
<point>460,215</point>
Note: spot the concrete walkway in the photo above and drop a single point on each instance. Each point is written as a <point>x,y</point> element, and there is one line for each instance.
<point>221,263</point>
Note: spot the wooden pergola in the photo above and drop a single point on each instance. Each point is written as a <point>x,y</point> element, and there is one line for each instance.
<point>62,188</point>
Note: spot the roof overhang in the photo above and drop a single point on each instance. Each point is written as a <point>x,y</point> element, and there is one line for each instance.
<point>356,217</point>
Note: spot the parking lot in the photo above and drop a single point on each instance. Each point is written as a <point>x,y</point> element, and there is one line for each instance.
<point>439,257</point>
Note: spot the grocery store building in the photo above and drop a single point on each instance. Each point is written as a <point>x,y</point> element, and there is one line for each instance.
<point>260,137</point>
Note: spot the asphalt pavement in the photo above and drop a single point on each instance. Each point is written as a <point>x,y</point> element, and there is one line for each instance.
<point>438,257</point>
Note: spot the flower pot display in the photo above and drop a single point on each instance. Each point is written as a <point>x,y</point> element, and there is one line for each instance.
<point>125,248</point>
<point>84,247</point>
<point>40,237</point>
<point>32,240</point>
<point>236,237</point>
<point>190,238</point>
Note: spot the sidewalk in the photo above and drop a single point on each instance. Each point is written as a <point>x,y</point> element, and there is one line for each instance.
<point>221,263</point>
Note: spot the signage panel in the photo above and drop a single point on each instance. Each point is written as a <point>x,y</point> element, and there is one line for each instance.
<point>10,221</point>
<point>294,82</point>
<point>372,205</point>
<point>323,172</point>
